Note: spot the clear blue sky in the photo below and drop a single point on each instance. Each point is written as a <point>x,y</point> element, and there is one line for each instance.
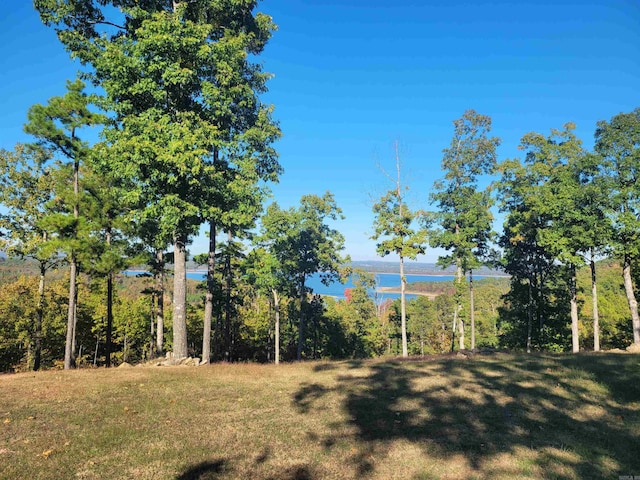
<point>351,77</point>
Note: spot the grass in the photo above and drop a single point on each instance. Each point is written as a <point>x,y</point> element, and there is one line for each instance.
<point>490,416</point>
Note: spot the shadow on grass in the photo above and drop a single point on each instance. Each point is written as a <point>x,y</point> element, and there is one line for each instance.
<point>219,469</point>
<point>570,416</point>
<point>204,471</point>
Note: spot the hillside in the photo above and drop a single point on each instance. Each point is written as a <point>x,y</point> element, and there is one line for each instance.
<point>497,416</point>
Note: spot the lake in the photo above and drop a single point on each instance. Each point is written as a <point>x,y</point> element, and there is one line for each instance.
<point>337,289</point>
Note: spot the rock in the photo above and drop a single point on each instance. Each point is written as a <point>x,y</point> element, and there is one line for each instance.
<point>125,365</point>
<point>634,348</point>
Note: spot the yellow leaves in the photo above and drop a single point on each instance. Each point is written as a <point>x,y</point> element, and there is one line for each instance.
<point>6,421</point>
<point>46,453</point>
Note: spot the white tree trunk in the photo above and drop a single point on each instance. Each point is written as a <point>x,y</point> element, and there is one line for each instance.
<point>631,298</point>
<point>596,315</point>
<point>208,302</point>
<point>575,334</point>
<point>403,309</point>
<point>179,300</point>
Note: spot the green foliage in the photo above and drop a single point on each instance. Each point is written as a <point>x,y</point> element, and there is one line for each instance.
<point>618,149</point>
<point>18,314</point>
<point>463,214</point>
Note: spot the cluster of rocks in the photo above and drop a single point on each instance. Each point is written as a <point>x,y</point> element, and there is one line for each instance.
<point>172,362</point>
<point>169,361</point>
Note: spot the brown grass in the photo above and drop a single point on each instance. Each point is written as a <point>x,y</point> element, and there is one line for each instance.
<point>495,416</point>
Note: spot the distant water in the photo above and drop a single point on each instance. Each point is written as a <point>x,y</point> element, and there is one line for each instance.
<point>336,289</point>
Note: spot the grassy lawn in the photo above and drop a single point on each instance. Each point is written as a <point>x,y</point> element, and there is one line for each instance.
<point>490,416</point>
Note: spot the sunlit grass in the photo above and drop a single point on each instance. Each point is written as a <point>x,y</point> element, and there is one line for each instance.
<point>495,416</point>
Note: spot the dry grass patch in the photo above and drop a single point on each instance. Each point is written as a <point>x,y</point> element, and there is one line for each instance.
<point>497,416</point>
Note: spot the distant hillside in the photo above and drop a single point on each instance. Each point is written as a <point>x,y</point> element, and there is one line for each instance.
<point>418,268</point>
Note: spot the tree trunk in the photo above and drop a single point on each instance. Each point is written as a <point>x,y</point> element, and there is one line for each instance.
<point>160,305</point>
<point>69,348</point>
<point>631,298</point>
<point>109,308</point>
<point>39,315</point>
<point>472,313</point>
<point>152,318</point>
<point>575,334</point>
<point>208,301</point>
<point>276,307</point>
<point>302,319</point>
<point>459,307</point>
<point>227,300</point>
<point>109,317</point>
<point>403,309</point>
<point>69,361</point>
<point>453,328</point>
<point>180,299</point>
<point>529,317</point>
<point>596,315</point>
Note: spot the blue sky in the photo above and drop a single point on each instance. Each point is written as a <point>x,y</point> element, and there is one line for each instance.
<point>352,77</point>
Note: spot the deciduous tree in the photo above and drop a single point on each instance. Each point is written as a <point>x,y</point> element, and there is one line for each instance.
<point>463,211</point>
<point>618,144</point>
<point>396,233</point>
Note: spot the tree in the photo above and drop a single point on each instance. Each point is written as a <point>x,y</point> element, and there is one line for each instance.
<point>26,187</point>
<point>463,213</point>
<point>110,252</point>
<point>177,80</point>
<point>618,145</point>
<point>592,204</point>
<point>56,127</point>
<point>393,227</point>
<point>422,324</point>
<point>558,159</point>
<point>265,272</point>
<point>304,244</point>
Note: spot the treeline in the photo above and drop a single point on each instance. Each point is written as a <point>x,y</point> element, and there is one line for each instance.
<point>356,326</point>
<point>180,142</point>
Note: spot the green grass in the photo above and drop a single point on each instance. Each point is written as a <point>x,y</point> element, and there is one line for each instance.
<point>494,416</point>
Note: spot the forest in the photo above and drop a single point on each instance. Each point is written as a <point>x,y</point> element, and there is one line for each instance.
<point>165,133</point>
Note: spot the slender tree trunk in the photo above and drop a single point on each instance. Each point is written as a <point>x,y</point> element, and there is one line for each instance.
<point>301,325</point>
<point>227,301</point>
<point>74,347</point>
<point>529,317</point>
<point>631,298</point>
<point>596,315</point>
<point>180,299</point>
<point>152,318</point>
<point>403,309</point>
<point>160,305</point>
<point>69,349</point>
<point>109,318</point>
<point>459,307</point>
<point>472,313</point>
<point>276,306</point>
<point>453,328</point>
<point>575,334</point>
<point>39,316</point>
<point>109,308</point>
<point>208,301</point>
<point>69,361</point>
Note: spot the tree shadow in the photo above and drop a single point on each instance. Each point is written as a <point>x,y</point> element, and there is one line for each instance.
<point>218,469</point>
<point>205,471</point>
<point>541,405</point>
